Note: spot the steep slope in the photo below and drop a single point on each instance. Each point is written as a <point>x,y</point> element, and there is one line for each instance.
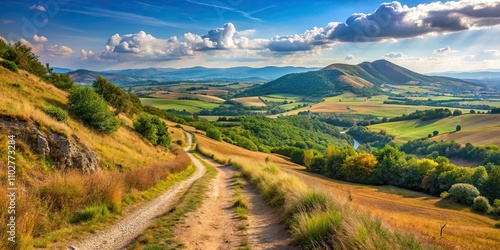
<point>364,78</point>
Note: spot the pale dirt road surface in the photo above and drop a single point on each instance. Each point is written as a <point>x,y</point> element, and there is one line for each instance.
<point>124,231</point>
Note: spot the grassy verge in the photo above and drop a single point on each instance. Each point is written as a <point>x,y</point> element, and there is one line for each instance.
<point>240,206</point>
<point>211,154</point>
<point>95,217</point>
<point>160,234</point>
<point>317,219</point>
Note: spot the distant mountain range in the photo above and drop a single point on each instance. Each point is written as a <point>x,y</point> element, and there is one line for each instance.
<point>155,75</point>
<point>364,78</point>
<point>486,77</point>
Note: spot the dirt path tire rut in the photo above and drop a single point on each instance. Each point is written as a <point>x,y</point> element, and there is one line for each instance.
<point>214,224</point>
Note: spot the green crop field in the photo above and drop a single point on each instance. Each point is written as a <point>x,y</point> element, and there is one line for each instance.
<point>191,106</point>
<point>413,129</point>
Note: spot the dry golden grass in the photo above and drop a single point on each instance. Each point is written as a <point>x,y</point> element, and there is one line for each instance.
<point>250,101</point>
<point>178,136</point>
<point>410,211</point>
<point>229,151</point>
<point>177,95</point>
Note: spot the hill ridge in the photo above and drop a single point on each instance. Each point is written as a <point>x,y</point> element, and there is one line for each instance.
<point>364,78</point>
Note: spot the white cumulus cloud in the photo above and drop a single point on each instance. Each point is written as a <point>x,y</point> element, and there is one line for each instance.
<point>59,51</point>
<point>40,39</point>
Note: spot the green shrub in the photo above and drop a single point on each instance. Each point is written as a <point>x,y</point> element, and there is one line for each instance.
<point>96,213</point>
<point>463,193</point>
<point>497,225</point>
<point>9,65</point>
<point>56,112</point>
<point>214,133</point>
<point>496,207</point>
<point>92,109</point>
<point>153,129</point>
<point>481,204</point>
<point>444,195</point>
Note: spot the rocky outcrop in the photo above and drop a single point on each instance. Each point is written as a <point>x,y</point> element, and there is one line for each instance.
<point>66,153</point>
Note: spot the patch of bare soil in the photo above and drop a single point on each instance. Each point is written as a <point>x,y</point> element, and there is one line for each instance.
<point>214,225</point>
<point>265,230</point>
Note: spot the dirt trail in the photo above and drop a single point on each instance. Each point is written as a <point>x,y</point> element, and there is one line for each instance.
<point>214,224</point>
<point>265,230</point>
<point>120,234</point>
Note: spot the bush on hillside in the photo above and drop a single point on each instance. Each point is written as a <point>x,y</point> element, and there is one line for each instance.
<point>214,133</point>
<point>62,81</point>
<point>9,65</point>
<point>56,112</point>
<point>153,129</point>
<point>463,193</point>
<point>117,97</point>
<point>92,109</point>
<point>481,204</point>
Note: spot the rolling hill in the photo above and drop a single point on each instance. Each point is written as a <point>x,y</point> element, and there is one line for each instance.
<point>364,78</point>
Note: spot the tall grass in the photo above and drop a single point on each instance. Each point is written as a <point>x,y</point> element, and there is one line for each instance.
<point>320,220</point>
<point>211,154</point>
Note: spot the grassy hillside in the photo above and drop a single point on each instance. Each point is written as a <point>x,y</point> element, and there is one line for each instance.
<point>413,129</point>
<point>69,196</point>
<point>364,78</point>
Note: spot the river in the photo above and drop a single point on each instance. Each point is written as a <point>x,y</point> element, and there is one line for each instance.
<point>356,144</point>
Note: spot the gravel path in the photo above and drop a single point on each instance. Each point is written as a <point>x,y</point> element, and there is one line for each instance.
<point>120,234</point>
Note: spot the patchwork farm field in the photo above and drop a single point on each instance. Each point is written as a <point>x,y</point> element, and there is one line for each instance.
<point>250,101</point>
<point>474,123</point>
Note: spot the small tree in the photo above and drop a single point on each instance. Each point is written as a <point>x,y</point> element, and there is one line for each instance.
<point>153,129</point>
<point>472,111</point>
<point>308,157</point>
<point>435,133</point>
<point>92,109</point>
<point>463,193</point>
<point>481,204</point>
<point>458,128</point>
<point>457,112</point>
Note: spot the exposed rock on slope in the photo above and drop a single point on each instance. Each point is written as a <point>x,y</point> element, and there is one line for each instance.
<point>67,153</point>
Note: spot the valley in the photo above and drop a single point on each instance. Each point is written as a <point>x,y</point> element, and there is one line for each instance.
<point>227,140</point>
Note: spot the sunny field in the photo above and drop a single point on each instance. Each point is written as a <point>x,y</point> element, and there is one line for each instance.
<point>482,127</point>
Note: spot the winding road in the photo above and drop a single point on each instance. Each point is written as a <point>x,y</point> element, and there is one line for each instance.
<point>119,235</point>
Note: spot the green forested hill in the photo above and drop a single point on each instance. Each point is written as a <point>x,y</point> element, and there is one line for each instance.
<point>364,79</point>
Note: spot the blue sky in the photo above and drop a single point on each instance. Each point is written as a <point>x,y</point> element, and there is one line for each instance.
<point>424,36</point>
